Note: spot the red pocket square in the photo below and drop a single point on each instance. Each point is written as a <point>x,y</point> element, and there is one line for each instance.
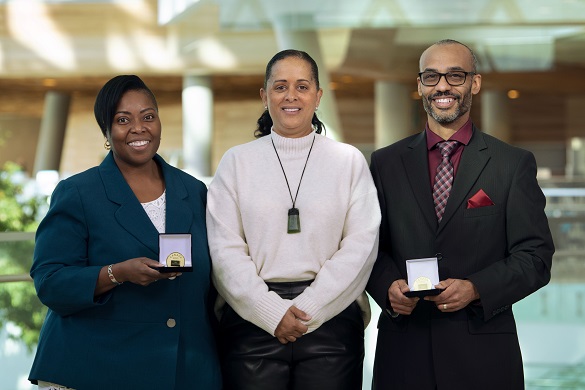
<point>480,199</point>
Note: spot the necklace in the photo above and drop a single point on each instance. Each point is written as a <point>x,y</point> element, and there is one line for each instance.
<point>294,220</point>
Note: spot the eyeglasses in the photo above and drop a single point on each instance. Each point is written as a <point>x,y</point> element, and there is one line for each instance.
<point>430,79</point>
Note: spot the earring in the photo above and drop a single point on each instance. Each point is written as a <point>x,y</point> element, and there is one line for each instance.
<point>266,107</point>
<point>107,145</point>
<point>316,108</point>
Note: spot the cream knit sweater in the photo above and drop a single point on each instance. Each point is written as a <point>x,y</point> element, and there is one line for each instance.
<point>247,213</point>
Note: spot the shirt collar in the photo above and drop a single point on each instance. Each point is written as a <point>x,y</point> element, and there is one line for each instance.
<point>463,135</point>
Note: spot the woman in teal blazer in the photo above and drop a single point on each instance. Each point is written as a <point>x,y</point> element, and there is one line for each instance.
<point>114,321</point>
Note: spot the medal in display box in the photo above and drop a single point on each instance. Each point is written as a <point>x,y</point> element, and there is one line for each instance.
<point>423,275</point>
<point>175,252</point>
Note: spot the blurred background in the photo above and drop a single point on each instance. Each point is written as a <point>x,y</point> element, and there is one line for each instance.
<point>205,61</point>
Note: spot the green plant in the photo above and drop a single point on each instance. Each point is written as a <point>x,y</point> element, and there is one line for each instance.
<point>19,213</point>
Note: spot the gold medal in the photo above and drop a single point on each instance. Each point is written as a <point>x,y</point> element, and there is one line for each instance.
<point>422,283</point>
<point>175,259</point>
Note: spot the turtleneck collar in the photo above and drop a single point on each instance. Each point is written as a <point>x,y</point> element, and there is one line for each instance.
<point>292,145</point>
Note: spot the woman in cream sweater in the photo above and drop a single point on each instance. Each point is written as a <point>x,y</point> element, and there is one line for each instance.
<point>292,223</point>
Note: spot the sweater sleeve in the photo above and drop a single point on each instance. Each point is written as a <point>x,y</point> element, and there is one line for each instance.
<point>343,277</point>
<point>234,273</point>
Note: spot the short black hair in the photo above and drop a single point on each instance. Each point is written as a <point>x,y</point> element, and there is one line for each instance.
<point>109,96</point>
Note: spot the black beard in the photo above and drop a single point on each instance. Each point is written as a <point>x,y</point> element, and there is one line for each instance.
<point>464,104</point>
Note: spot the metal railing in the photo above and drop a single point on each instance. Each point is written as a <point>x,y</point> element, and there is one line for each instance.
<point>12,237</point>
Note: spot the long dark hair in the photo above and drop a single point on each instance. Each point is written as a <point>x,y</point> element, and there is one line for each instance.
<point>265,121</point>
<point>109,96</point>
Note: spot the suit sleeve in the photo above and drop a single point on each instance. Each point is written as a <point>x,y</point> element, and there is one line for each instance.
<point>527,266</point>
<point>385,271</point>
<point>63,279</point>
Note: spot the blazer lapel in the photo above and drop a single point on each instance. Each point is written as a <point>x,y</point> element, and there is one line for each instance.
<point>179,211</point>
<point>130,214</point>
<point>416,166</point>
<point>473,161</point>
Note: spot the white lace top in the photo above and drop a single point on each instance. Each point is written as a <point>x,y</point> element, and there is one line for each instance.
<point>156,211</point>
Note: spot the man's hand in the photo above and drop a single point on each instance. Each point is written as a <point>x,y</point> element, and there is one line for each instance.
<point>400,303</point>
<point>457,294</point>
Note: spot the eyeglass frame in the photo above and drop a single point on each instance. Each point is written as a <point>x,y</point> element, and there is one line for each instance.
<point>445,76</point>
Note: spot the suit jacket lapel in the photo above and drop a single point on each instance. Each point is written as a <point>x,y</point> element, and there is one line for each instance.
<point>130,214</point>
<point>416,165</point>
<point>473,161</point>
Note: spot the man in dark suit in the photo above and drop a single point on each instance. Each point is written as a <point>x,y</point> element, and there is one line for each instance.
<point>482,216</point>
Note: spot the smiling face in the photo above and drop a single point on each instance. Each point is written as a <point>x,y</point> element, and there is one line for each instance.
<point>448,106</point>
<point>291,96</point>
<point>136,130</point>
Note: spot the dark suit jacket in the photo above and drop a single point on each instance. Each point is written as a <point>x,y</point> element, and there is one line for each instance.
<point>125,339</point>
<point>505,250</point>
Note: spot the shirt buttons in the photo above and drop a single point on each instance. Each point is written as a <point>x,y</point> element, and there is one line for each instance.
<point>171,322</point>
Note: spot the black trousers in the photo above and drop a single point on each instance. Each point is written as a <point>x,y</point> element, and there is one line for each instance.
<point>330,357</point>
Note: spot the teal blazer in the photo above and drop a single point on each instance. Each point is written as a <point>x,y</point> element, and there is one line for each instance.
<point>133,337</point>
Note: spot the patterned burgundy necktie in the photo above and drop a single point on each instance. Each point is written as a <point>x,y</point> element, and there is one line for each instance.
<point>443,178</point>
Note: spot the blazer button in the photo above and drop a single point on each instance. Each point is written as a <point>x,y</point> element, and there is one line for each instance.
<point>171,322</point>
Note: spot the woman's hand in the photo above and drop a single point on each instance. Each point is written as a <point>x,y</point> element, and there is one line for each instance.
<point>290,327</point>
<point>140,270</point>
